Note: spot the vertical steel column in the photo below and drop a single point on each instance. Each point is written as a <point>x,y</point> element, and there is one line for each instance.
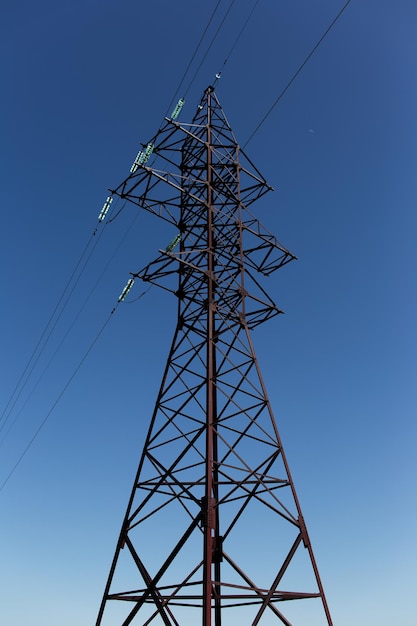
<point>208,510</point>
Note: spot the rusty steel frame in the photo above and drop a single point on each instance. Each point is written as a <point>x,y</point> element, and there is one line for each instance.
<point>213,452</point>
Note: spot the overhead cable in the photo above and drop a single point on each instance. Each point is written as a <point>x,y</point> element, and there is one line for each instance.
<point>236,40</point>
<point>290,82</point>
<point>15,393</point>
<point>42,424</point>
<point>49,329</point>
<point>47,366</point>
<point>58,310</point>
<point>209,46</point>
<point>68,383</point>
<point>194,55</point>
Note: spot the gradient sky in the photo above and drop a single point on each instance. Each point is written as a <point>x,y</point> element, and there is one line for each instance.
<point>83,83</point>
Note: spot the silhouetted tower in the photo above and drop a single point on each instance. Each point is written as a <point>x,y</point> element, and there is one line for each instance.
<point>213,533</point>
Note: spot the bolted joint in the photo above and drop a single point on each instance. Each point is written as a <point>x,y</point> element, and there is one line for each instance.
<point>208,515</point>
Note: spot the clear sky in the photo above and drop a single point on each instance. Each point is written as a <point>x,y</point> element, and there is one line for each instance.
<point>83,83</point>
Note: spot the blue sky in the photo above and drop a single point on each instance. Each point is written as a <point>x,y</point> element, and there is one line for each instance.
<point>83,85</point>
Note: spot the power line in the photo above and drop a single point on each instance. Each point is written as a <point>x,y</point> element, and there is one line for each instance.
<point>42,424</point>
<point>210,46</point>
<point>58,311</point>
<point>290,82</point>
<point>71,378</point>
<point>50,327</point>
<point>68,331</point>
<point>194,55</point>
<point>237,40</point>
<point>12,400</point>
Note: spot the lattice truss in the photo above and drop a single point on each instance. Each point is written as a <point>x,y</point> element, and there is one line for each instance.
<point>213,530</point>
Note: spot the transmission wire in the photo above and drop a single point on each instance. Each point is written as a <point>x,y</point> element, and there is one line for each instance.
<point>143,293</point>
<point>46,328</point>
<point>37,351</point>
<point>308,57</point>
<point>42,424</point>
<point>70,328</point>
<point>236,41</point>
<point>210,46</point>
<point>114,217</point>
<point>193,55</point>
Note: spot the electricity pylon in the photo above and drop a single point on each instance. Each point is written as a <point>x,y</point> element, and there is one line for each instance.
<point>213,533</point>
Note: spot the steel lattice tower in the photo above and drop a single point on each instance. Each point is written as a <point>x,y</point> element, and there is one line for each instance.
<point>213,533</point>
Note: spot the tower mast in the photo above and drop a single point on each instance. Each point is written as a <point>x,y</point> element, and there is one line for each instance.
<point>213,532</point>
